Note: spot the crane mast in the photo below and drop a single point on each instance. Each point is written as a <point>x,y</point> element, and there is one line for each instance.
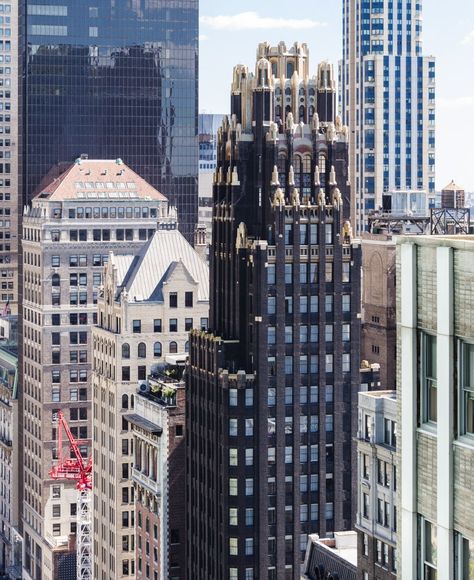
<point>80,470</point>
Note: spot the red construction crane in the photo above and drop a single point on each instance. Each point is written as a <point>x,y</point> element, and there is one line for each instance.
<point>79,470</point>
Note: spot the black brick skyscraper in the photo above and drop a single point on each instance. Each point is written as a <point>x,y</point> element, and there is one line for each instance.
<point>272,386</point>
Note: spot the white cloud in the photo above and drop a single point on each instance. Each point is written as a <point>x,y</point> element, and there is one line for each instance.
<point>469,38</point>
<point>455,103</point>
<point>203,37</point>
<point>253,21</point>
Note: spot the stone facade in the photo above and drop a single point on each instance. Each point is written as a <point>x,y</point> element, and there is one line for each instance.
<point>158,475</point>
<point>377,508</point>
<point>435,382</point>
<point>379,327</point>
<point>10,539</point>
<point>148,305</point>
<point>92,208</point>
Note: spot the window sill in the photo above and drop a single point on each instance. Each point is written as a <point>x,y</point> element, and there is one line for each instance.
<point>465,441</point>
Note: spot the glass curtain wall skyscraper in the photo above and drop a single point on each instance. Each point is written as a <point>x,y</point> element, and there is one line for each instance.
<point>387,99</point>
<point>113,79</point>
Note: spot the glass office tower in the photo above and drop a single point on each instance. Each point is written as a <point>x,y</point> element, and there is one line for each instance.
<point>113,78</point>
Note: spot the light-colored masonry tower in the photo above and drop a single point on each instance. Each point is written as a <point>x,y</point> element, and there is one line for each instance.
<point>387,98</point>
<point>435,444</point>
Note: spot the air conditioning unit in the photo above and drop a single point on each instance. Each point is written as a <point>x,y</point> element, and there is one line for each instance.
<point>144,388</point>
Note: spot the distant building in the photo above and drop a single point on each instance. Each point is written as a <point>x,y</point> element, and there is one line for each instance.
<point>158,426</point>
<point>332,558</point>
<point>387,99</point>
<point>10,512</point>
<point>379,324</point>
<point>122,82</point>
<point>435,391</point>
<point>272,387</point>
<point>208,127</point>
<point>149,303</point>
<point>453,196</point>
<point>75,220</point>
<point>376,486</point>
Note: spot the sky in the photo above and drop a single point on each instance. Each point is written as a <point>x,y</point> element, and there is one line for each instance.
<point>230,31</point>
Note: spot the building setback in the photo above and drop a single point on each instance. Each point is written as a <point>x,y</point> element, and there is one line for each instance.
<point>159,474</point>
<point>387,98</point>
<point>272,387</point>
<point>150,302</point>
<point>435,391</point>
<point>93,207</point>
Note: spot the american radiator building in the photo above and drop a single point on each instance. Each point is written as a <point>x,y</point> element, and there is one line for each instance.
<point>272,385</point>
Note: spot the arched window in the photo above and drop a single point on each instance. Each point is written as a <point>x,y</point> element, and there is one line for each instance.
<point>274,68</point>
<point>302,112</point>
<point>55,280</point>
<point>288,91</point>
<point>141,350</point>
<point>186,346</point>
<point>322,168</point>
<point>125,350</point>
<point>282,168</point>
<point>278,112</point>
<point>157,349</point>
<point>124,401</point>
<point>173,347</point>
<point>312,92</point>
<point>301,92</point>
<point>311,112</point>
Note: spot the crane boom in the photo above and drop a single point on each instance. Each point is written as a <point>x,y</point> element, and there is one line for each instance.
<point>79,470</point>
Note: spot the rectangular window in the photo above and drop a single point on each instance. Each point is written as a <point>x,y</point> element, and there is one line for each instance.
<point>466,379</point>
<point>464,557</point>
<point>173,325</point>
<point>188,299</point>
<point>137,326</point>
<point>428,549</point>
<point>173,300</point>
<point>288,273</point>
<point>157,325</point>
<point>188,324</point>
<point>429,395</point>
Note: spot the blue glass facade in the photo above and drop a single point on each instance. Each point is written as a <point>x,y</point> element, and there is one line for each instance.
<point>113,79</point>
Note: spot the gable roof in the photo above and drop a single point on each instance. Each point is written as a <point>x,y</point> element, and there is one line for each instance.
<point>143,276</point>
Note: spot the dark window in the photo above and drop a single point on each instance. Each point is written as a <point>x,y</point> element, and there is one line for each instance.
<point>173,347</point>
<point>173,325</point>
<point>83,235</point>
<point>56,357</point>
<point>125,373</point>
<point>55,338</point>
<point>173,300</point>
<point>141,373</point>
<point>55,280</point>
<point>188,324</point>
<point>157,349</point>
<point>188,299</point>
<point>137,326</point>
<point>142,350</point>
<point>125,350</point>
<point>55,319</point>
<point>157,325</point>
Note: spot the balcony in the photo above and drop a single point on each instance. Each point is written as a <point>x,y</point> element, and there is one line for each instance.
<point>145,481</point>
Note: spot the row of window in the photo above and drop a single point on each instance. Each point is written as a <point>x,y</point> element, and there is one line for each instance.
<point>308,333</point>
<point>309,304</point>
<point>173,322</point>
<point>308,273</point>
<point>112,212</point>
